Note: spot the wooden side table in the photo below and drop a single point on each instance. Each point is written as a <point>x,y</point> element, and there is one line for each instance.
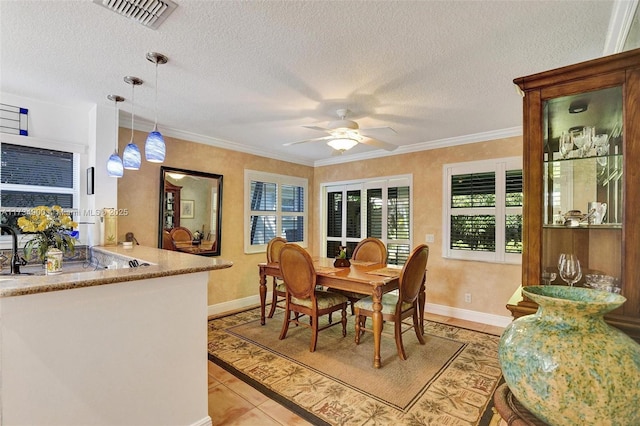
<point>511,410</point>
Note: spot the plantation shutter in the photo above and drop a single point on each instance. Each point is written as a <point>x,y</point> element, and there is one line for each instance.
<point>473,231</point>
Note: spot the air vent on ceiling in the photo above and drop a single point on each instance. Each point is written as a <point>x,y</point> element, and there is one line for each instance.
<point>150,13</point>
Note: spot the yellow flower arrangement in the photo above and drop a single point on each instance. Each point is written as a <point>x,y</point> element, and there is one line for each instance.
<point>51,227</point>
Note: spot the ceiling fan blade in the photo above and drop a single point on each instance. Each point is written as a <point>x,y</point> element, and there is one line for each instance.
<point>322,129</point>
<point>324,138</point>
<point>378,143</point>
<point>386,130</point>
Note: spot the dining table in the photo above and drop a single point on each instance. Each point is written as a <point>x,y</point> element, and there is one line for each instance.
<point>195,247</point>
<point>361,277</point>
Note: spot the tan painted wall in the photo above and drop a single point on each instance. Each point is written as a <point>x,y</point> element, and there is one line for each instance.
<point>491,285</point>
<point>138,191</point>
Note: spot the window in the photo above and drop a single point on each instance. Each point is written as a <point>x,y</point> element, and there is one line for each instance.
<point>483,210</point>
<point>379,208</point>
<point>35,176</point>
<point>275,206</point>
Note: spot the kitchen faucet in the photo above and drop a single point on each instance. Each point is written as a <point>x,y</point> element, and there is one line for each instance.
<point>16,260</point>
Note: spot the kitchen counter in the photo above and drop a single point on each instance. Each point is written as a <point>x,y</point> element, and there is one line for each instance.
<point>108,347</point>
<point>163,263</point>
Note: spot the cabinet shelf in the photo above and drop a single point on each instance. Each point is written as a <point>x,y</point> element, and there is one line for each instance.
<point>585,226</point>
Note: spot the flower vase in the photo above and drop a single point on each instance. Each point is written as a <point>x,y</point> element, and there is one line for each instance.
<point>54,261</point>
<point>566,365</point>
<point>341,263</point>
<point>110,229</point>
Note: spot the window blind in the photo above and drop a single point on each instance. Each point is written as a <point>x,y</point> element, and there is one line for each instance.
<point>473,190</point>
<point>25,165</point>
<point>477,233</point>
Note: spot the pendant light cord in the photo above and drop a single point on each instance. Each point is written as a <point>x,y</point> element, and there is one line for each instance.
<point>115,121</point>
<point>133,86</point>
<point>155,125</point>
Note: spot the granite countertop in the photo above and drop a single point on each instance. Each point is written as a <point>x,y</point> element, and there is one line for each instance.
<point>163,263</point>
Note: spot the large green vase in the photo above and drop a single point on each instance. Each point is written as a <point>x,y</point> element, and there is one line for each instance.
<point>567,365</point>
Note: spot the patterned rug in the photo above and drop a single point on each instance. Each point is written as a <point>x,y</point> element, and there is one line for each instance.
<point>448,381</point>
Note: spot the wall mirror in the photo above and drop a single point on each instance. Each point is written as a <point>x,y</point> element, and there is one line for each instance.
<point>190,211</point>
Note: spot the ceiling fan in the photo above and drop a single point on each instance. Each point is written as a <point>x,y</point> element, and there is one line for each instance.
<point>345,134</point>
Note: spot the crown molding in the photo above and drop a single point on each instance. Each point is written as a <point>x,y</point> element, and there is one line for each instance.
<point>146,126</point>
<point>620,22</point>
<point>425,146</point>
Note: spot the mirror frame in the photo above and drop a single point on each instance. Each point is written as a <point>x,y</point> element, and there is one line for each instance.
<point>164,170</point>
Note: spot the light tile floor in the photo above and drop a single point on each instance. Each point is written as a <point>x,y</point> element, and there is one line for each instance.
<point>233,402</point>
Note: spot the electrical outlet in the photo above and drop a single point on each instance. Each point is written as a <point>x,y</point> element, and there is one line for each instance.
<point>429,238</point>
<point>467,297</point>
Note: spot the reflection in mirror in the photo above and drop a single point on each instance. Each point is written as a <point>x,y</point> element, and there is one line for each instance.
<point>190,211</point>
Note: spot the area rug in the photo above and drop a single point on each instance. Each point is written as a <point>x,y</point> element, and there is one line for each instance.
<point>448,381</point>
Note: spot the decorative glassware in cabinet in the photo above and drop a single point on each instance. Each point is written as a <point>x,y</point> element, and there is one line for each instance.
<point>583,179</point>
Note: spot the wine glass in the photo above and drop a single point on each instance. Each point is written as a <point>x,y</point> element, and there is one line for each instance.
<point>548,277</point>
<point>578,139</point>
<point>565,144</point>
<point>570,270</point>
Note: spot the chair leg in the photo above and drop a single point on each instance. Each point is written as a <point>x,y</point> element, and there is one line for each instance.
<point>398,334</point>
<point>314,333</point>
<point>274,300</point>
<point>351,302</point>
<point>285,324</point>
<point>358,325</point>
<point>344,321</point>
<point>417,328</point>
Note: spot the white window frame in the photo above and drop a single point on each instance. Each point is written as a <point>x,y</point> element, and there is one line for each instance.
<point>363,184</point>
<point>500,167</point>
<point>77,150</point>
<point>279,180</point>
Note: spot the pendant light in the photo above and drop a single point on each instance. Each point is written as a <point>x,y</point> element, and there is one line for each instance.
<point>114,164</point>
<point>131,157</point>
<point>155,148</point>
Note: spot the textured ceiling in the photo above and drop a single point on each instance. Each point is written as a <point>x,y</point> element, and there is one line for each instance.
<point>248,75</point>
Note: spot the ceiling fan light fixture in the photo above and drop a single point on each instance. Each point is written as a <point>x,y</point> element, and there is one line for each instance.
<point>342,144</point>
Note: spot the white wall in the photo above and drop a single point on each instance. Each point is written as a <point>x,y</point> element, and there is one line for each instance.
<point>90,126</point>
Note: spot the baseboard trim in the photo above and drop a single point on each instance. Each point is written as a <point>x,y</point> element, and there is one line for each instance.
<point>448,311</point>
<point>466,314</point>
<point>206,421</point>
<point>236,304</point>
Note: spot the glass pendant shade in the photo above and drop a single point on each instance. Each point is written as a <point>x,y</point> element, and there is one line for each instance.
<point>131,157</point>
<point>155,148</point>
<point>342,144</point>
<point>114,166</point>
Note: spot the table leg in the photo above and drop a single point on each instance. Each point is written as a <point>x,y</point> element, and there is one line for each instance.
<point>377,325</point>
<point>422,298</point>
<point>263,295</point>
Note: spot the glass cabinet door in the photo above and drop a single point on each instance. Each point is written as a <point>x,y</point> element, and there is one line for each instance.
<point>583,185</point>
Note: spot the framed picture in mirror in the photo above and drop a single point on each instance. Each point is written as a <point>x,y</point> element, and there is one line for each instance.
<point>186,209</point>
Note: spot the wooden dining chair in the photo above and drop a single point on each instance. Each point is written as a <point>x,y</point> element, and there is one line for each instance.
<point>181,236</point>
<point>398,307</point>
<point>273,256</point>
<point>368,250</point>
<point>302,297</point>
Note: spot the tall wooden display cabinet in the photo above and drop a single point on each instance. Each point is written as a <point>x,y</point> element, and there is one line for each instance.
<point>582,157</point>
